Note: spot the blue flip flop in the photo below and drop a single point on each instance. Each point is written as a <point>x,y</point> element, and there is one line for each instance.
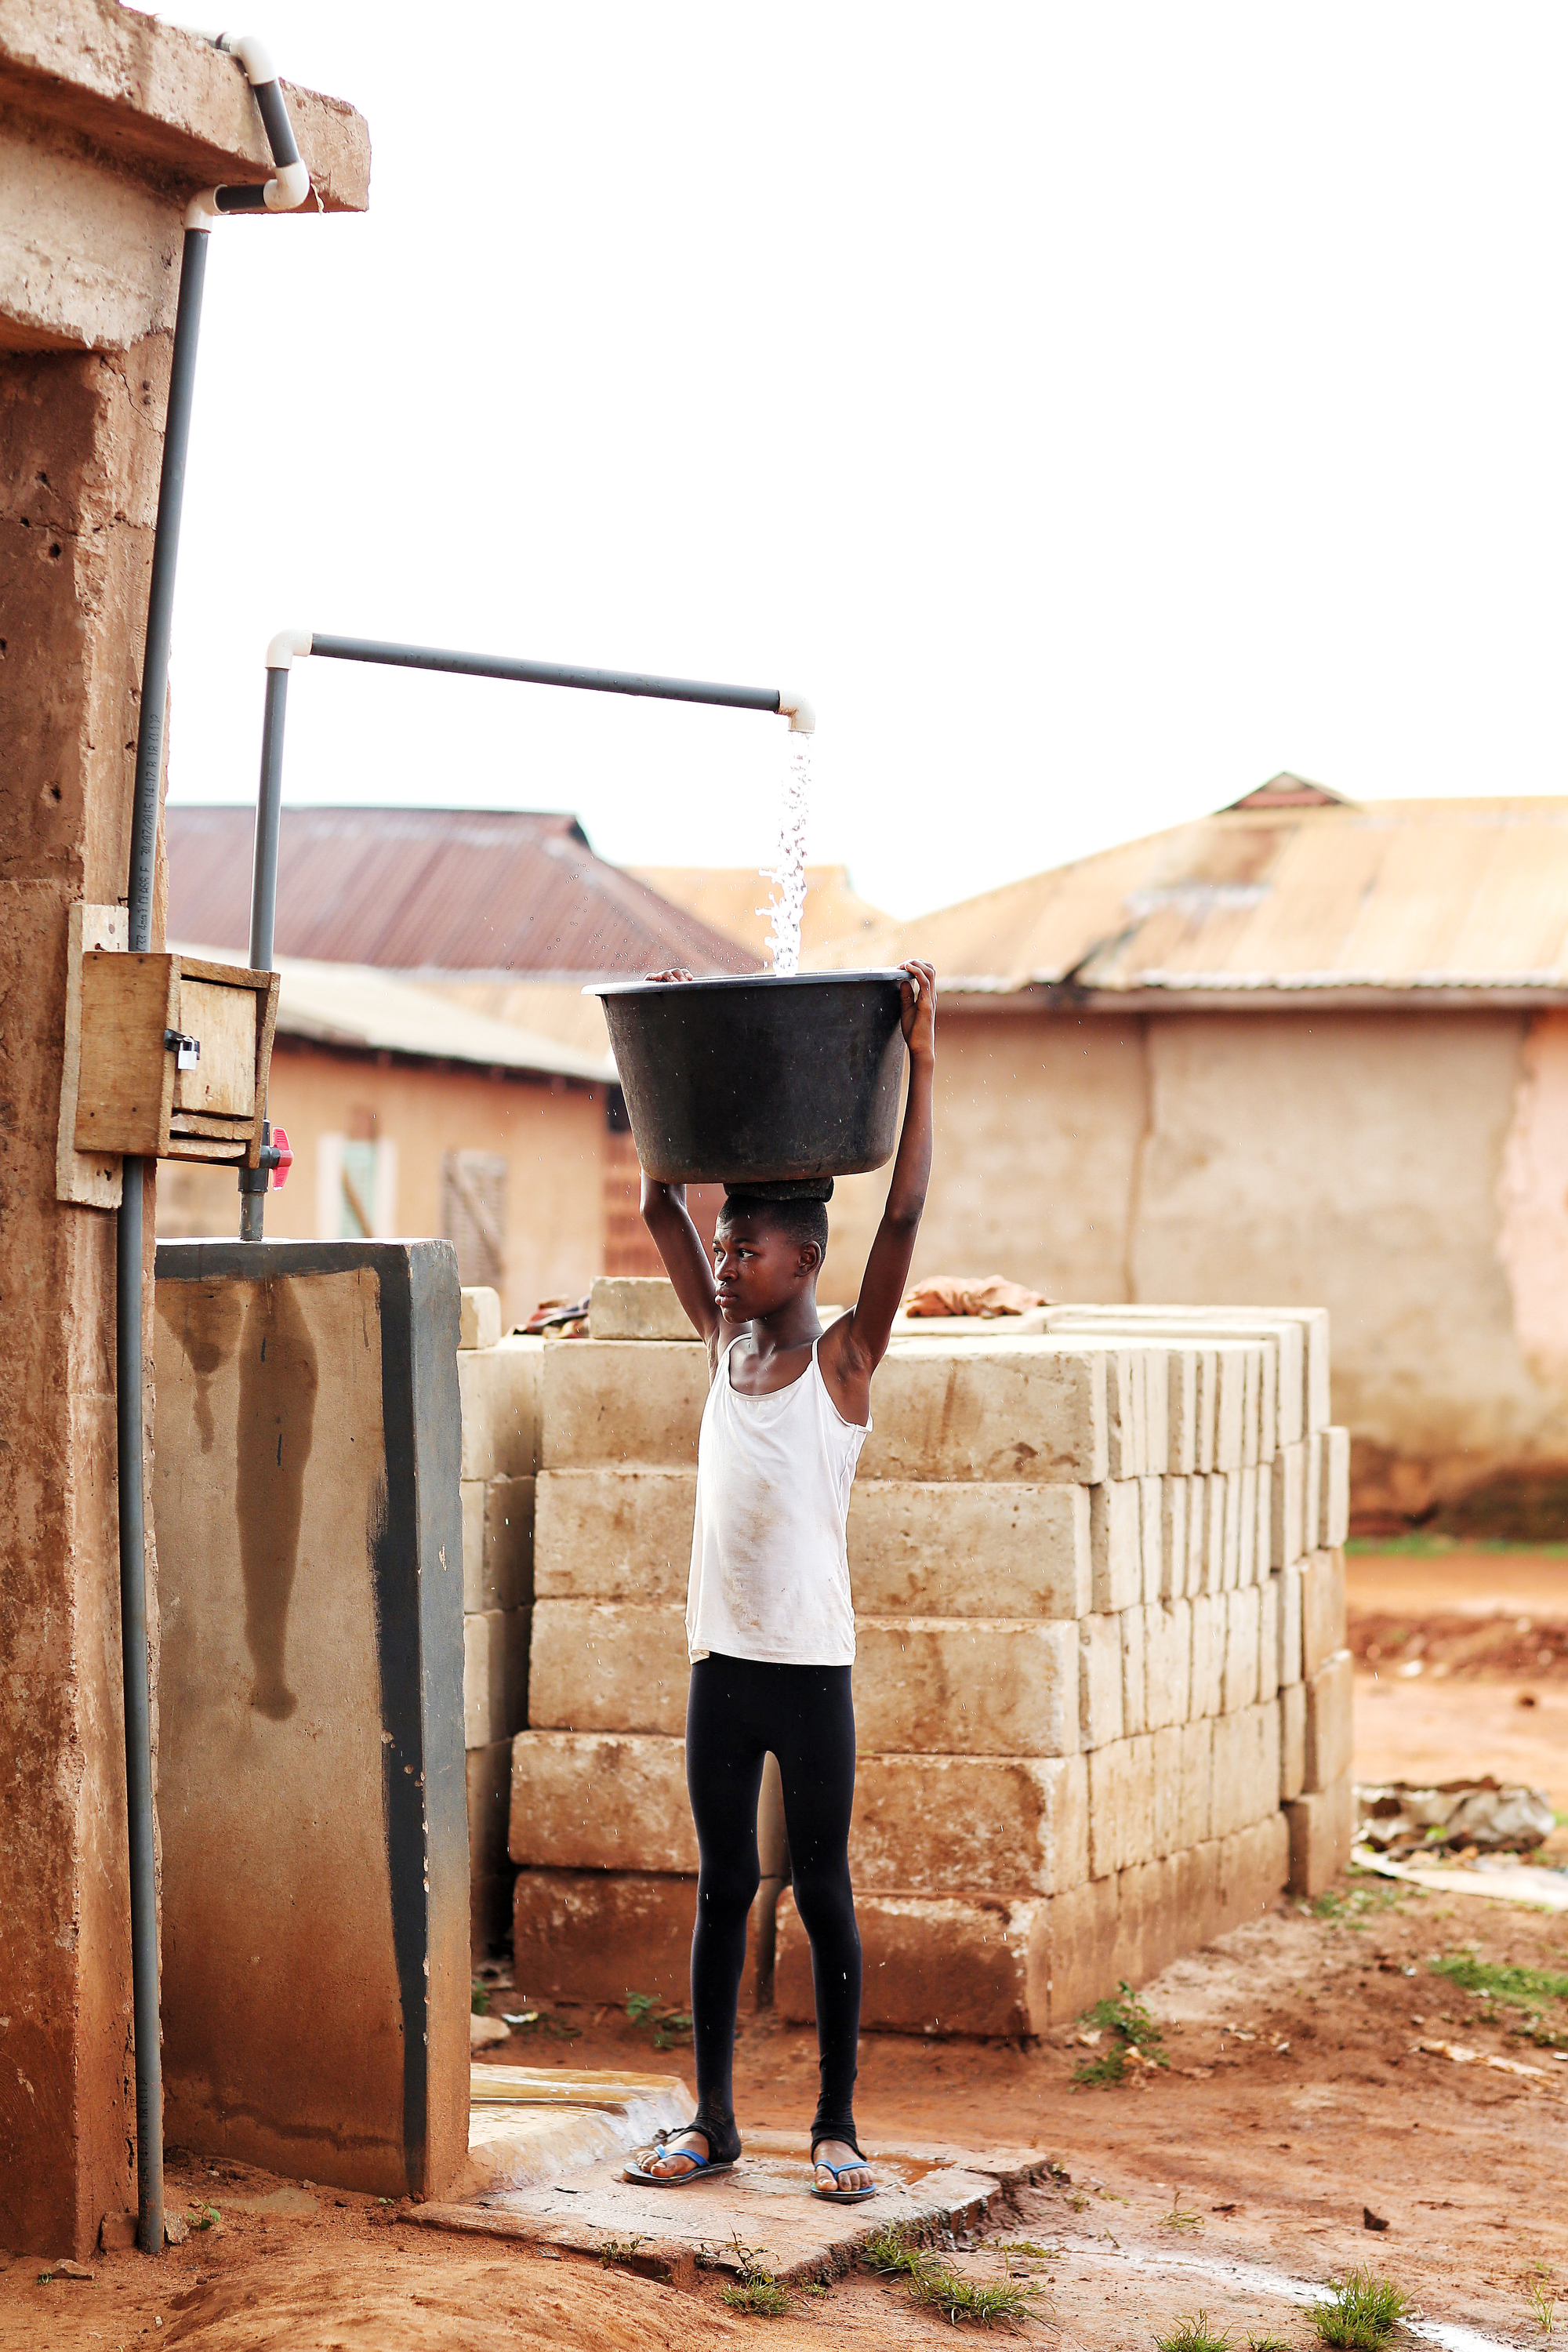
<point>702,2166</point>
<point>837,2196</point>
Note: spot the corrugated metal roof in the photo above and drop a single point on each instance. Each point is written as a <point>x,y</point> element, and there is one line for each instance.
<point>1329,895</point>
<point>362,1010</point>
<point>435,889</point>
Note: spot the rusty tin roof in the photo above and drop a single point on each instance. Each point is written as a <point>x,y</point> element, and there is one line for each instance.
<point>1293,894</point>
<point>435,890</point>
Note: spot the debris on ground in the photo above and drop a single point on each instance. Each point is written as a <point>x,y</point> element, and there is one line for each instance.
<point>1461,1817</point>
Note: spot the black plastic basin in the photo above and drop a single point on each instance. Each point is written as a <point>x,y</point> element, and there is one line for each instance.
<point>756,1079</point>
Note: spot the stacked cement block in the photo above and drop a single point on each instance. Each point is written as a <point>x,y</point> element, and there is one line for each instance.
<point>499,1383</point>
<point>1101,1689</point>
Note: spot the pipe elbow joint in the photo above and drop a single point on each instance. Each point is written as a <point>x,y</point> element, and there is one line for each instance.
<point>289,647</point>
<point>290,189</point>
<point>253,56</point>
<point>794,707</point>
<point>202,211</point>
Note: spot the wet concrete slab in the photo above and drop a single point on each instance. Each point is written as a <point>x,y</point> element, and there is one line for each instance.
<point>764,2208</point>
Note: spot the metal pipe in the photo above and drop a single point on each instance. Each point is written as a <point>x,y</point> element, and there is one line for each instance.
<point>288,189</point>
<point>253,1182</point>
<point>532,673</point>
<point>290,646</point>
<point>135,1663</point>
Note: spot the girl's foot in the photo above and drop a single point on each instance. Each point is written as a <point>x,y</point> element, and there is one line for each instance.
<point>684,2153</point>
<point>839,2152</point>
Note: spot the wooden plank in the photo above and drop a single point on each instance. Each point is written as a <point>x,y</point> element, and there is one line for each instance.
<point>227,975</point>
<point>90,1179</point>
<point>225,1019</point>
<point>229,1152</point>
<point>210,1123</point>
<point>125,1084</point>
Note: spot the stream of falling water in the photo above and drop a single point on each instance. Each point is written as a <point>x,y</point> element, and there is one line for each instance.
<point>785,909</point>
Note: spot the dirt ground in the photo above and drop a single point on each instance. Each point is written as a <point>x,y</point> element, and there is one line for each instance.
<point>1294,2102</point>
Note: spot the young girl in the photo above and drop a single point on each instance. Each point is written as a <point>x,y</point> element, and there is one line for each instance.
<point>769,1620</point>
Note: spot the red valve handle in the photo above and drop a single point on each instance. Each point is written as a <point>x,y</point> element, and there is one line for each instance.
<point>285,1158</point>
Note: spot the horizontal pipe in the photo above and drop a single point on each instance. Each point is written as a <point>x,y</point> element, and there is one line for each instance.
<point>529,673</point>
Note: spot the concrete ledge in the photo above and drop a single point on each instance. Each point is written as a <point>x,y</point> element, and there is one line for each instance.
<point>613,1534</point>
<point>163,102</point>
<point>598,1800</point>
<point>598,1935</point>
<point>993,1966</point>
<point>1321,1829</point>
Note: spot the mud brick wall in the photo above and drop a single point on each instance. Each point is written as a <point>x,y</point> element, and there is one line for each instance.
<point>499,1383</point>
<point>1102,1692</point>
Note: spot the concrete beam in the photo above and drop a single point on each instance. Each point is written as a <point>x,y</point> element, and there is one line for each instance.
<point>110,122</point>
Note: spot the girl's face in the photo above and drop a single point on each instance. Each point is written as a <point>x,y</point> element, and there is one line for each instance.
<point>757,1269</point>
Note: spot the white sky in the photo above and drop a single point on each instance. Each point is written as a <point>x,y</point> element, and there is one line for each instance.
<point>1093,410</point>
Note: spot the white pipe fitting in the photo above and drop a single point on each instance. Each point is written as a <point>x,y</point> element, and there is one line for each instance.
<point>290,187</point>
<point>252,55</point>
<point>794,707</point>
<point>202,211</point>
<point>287,646</point>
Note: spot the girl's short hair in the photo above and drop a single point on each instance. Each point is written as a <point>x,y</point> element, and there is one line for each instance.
<point>798,1211</point>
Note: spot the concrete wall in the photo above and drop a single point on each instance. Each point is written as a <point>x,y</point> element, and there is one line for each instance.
<point>109,121</point>
<point>1102,1693</point>
<point>1407,1169</point>
<point>550,1134</point>
<point>79,450</point>
<point>310,1798</point>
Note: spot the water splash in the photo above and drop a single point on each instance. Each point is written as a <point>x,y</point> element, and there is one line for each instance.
<point>786,909</point>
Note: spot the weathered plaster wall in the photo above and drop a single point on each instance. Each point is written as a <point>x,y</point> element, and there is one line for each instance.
<point>551,1135</point>
<point>1408,1169</point>
<point>1533,1244</point>
<point>108,122</point>
<point>1039,1122</point>
<point>1354,1161</point>
<point>79,456</point>
<point>311,1786</point>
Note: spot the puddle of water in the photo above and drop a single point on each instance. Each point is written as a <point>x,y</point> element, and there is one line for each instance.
<point>1251,2278</point>
<point>786,911</point>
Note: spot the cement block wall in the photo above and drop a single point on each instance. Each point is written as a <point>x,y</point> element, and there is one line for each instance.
<point>1101,1688</point>
<point>499,1381</point>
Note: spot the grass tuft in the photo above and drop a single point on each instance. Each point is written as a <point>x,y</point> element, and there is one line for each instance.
<point>1524,1988</point>
<point>1181,2218</point>
<point>1362,2312</point>
<point>617,2249</point>
<point>756,2292</point>
<point>929,2281</point>
<point>671,2027</point>
<point>1194,2333</point>
<point>939,2289</point>
<point>763,2298</point>
<point>478,1999</point>
<point>1542,2309</point>
<point>1267,2344</point>
<point>1130,2026</point>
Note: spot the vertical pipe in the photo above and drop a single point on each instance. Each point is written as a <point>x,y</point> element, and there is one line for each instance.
<point>129,1409</point>
<point>161,594</point>
<point>264,905</point>
<point>138,1719</point>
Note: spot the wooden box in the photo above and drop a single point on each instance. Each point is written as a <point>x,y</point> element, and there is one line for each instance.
<point>134,1095</point>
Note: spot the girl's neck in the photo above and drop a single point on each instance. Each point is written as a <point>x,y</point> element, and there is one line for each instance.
<point>794,1324</point>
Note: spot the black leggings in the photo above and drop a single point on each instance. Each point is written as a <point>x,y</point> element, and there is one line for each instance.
<point>738,1711</point>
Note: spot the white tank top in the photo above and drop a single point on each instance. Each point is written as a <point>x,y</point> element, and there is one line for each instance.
<point>770,1570</point>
